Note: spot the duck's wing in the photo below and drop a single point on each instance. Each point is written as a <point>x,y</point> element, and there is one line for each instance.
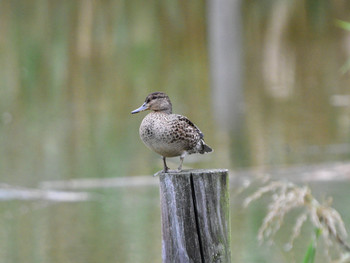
<point>187,132</point>
<point>188,126</point>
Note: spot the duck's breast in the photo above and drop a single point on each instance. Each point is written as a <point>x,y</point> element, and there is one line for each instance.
<point>158,134</point>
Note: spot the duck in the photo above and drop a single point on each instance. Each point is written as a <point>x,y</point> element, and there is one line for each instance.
<point>169,134</point>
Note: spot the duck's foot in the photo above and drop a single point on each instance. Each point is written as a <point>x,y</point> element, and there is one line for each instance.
<point>173,171</point>
<point>158,173</point>
<point>166,171</point>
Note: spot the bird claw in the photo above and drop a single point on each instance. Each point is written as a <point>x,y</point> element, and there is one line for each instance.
<point>158,173</point>
<point>166,172</point>
<point>173,171</point>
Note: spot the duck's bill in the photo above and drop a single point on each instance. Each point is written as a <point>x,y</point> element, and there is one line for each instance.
<point>142,108</point>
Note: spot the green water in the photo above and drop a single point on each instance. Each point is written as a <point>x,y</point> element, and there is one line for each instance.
<point>72,71</point>
<point>123,225</point>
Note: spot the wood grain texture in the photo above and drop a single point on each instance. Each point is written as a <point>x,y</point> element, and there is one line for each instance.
<point>195,216</point>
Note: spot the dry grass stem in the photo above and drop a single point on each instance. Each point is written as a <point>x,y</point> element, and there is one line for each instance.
<point>286,196</point>
<point>296,230</point>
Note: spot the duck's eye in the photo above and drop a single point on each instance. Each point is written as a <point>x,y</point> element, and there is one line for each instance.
<point>147,100</point>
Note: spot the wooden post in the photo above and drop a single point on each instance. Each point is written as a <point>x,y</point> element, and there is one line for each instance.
<point>195,216</point>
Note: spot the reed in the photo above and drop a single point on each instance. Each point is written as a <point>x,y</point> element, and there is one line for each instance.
<point>287,196</point>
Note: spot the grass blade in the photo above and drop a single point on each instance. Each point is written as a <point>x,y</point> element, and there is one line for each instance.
<point>311,250</point>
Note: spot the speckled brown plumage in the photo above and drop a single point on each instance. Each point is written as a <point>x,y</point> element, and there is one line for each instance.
<point>169,134</point>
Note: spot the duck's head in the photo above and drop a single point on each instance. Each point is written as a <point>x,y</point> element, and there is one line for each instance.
<point>156,101</point>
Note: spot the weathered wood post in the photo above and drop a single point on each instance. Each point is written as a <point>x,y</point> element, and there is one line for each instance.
<point>195,216</point>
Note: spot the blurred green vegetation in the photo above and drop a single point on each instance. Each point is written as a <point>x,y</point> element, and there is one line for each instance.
<point>71,72</point>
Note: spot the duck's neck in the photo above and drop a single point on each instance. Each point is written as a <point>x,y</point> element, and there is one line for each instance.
<point>165,111</point>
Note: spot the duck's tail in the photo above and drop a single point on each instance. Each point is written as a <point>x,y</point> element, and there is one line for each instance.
<point>205,148</point>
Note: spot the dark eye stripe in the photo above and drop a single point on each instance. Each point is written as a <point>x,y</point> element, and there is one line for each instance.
<point>156,95</point>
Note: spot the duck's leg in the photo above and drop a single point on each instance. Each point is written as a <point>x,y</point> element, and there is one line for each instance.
<point>182,157</point>
<point>166,168</point>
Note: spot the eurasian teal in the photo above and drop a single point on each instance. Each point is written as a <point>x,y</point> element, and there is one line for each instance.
<point>169,134</point>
